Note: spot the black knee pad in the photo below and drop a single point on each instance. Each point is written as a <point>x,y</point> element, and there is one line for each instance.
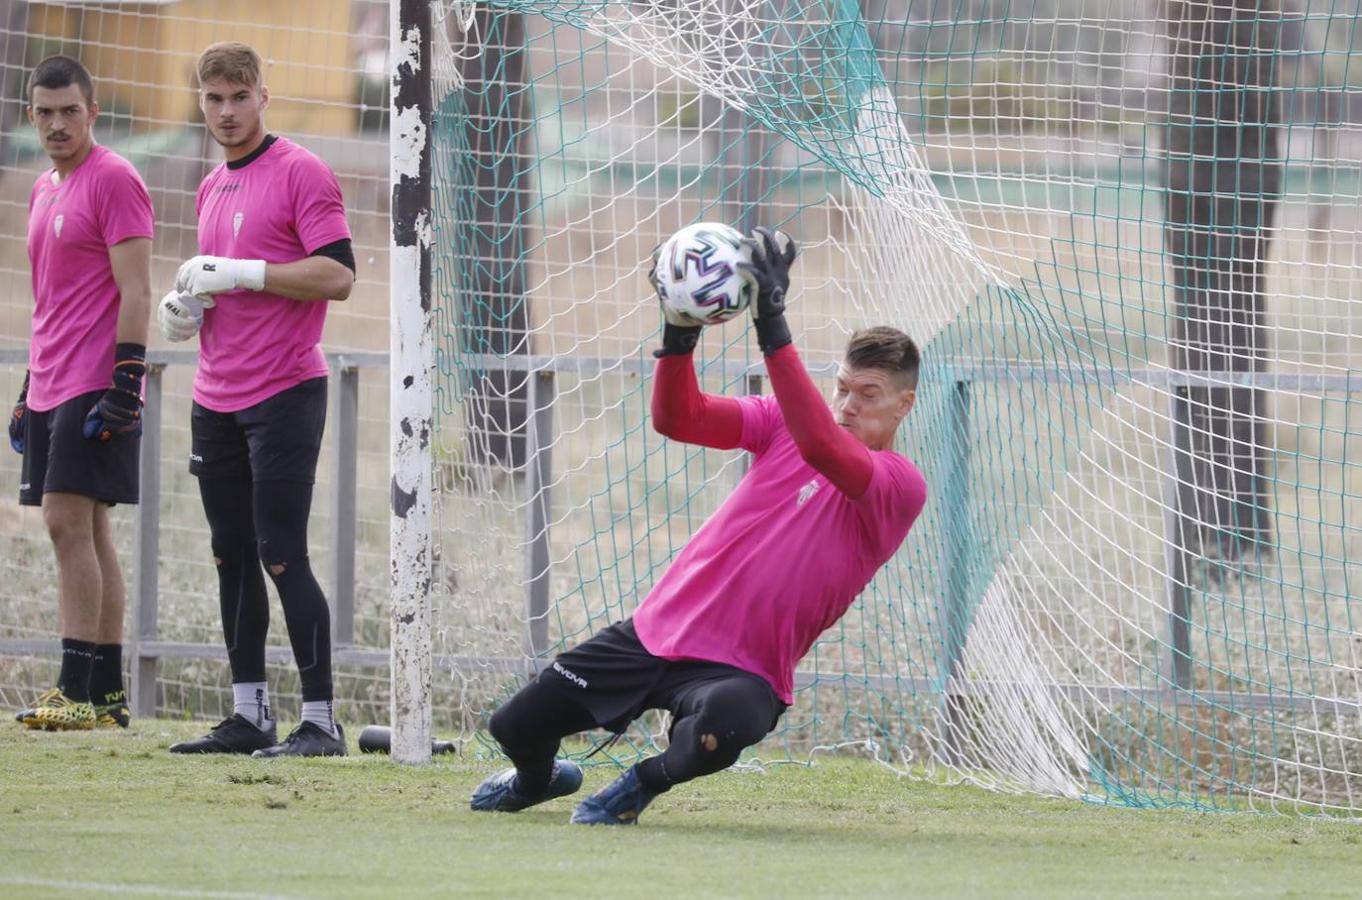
<point>514,724</point>
<point>231,547</point>
<point>502,727</point>
<point>733,716</point>
<point>727,734</point>
<point>283,550</point>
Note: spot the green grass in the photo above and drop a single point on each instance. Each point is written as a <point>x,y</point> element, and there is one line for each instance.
<point>82,814</point>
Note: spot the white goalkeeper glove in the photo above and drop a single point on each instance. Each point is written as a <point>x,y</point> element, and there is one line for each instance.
<point>204,276</point>
<point>181,315</point>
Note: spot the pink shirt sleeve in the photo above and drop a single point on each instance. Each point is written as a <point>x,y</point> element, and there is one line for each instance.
<point>682,412</point>
<point>894,499</point>
<point>126,210</point>
<point>319,209</point>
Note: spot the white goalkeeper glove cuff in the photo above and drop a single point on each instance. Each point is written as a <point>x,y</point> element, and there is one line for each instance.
<point>204,276</point>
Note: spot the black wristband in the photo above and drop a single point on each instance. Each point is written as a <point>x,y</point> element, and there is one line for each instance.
<point>772,333</point>
<point>678,340</point>
<point>130,364</point>
<point>130,352</point>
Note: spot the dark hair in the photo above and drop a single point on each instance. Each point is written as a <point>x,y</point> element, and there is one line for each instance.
<point>887,349</point>
<point>57,72</point>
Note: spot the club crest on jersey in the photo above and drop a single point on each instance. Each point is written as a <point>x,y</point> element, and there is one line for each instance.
<point>57,223</point>
<point>236,224</point>
<point>807,491</point>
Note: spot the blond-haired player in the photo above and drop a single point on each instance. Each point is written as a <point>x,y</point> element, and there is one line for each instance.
<point>274,250</point>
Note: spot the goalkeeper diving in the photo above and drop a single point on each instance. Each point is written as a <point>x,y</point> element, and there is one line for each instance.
<point>825,503</point>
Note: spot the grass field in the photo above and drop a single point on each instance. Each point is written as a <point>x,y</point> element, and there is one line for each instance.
<point>112,813</point>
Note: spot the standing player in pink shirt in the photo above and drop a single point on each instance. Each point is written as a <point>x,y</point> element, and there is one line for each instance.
<point>78,421</point>
<point>825,503</point>
<point>276,247</point>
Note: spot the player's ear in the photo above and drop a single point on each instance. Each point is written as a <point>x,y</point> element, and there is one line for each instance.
<point>94,109</point>
<point>264,96</point>
<point>906,400</point>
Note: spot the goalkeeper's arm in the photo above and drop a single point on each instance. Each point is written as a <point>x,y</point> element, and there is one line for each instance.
<point>823,444</point>
<point>327,274</point>
<point>681,411</point>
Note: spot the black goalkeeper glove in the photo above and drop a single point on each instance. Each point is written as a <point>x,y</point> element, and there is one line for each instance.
<point>680,333</point>
<point>16,419</point>
<point>772,254</point>
<point>119,411</point>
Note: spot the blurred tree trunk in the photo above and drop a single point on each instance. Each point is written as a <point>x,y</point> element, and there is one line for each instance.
<point>493,199</point>
<point>1223,173</point>
<point>13,72</point>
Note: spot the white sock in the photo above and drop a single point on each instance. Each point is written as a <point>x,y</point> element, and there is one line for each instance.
<point>319,713</point>
<point>251,701</point>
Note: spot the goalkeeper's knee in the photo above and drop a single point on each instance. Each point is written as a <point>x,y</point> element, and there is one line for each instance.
<point>283,550</point>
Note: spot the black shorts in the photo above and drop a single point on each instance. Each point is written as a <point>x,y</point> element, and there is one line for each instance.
<point>614,677</point>
<point>278,439</point>
<point>60,459</point>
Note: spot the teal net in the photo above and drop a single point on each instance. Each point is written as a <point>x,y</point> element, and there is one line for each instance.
<point>1127,243</point>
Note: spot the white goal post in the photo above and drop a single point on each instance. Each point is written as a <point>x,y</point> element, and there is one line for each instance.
<point>411,360</point>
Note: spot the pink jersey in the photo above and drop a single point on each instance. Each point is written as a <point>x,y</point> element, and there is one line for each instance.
<point>280,207</point>
<point>781,560</point>
<point>71,227</point>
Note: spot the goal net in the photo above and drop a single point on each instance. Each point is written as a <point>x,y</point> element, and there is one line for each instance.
<point>1124,235</point>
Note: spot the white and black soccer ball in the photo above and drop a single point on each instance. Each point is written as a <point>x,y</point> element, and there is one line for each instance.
<point>699,273</point>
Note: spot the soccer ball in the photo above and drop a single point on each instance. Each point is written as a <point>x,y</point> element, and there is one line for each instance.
<point>699,273</point>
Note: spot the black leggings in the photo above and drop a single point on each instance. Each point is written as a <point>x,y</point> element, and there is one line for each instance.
<point>255,523</point>
<point>713,720</point>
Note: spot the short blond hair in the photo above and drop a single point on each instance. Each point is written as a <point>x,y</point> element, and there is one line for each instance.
<point>234,61</point>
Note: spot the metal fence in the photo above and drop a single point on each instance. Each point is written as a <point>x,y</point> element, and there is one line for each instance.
<point>144,649</point>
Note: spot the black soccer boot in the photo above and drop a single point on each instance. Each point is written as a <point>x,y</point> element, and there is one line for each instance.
<point>234,734</point>
<point>306,740</point>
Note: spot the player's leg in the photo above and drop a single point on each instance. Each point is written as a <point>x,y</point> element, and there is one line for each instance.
<point>714,722</point>
<point>284,436</point>
<point>718,712</point>
<point>282,512</point>
<point>109,473</point>
<point>529,727</point>
<point>601,683</point>
<point>35,436</point>
<point>70,526</point>
<point>107,691</point>
<point>74,479</point>
<point>219,460</point>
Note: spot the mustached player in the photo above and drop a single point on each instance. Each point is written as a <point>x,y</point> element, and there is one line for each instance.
<point>78,421</point>
<point>824,505</point>
<point>275,250</point>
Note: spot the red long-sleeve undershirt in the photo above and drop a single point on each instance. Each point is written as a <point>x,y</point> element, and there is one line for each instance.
<point>684,413</point>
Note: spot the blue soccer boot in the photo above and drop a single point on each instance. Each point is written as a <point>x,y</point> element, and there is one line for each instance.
<point>499,793</point>
<point>618,803</point>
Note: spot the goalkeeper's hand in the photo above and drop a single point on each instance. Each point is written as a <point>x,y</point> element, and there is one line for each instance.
<point>680,332</point>
<point>16,418</point>
<point>181,315</point>
<point>204,276</point>
<point>773,252</point>
<point>119,411</point>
